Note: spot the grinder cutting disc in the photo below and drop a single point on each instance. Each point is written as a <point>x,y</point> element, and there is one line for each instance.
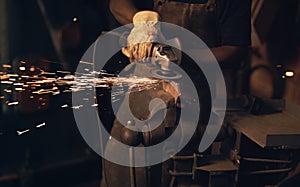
<point>167,75</point>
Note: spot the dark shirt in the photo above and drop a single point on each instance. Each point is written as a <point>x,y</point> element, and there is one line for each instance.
<point>234,22</point>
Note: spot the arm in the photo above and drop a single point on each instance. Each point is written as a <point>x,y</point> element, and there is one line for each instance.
<point>234,23</point>
<point>123,10</point>
<point>227,56</point>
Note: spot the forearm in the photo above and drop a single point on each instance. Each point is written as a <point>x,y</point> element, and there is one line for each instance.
<point>123,10</point>
<point>227,56</point>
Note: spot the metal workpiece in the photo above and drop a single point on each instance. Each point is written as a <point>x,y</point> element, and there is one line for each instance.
<point>266,144</point>
<point>279,130</point>
<point>202,169</point>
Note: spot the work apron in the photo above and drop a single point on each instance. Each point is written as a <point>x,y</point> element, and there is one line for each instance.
<point>197,18</point>
<point>201,20</point>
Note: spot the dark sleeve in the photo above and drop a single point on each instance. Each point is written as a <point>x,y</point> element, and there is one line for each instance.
<point>234,22</point>
<point>144,4</point>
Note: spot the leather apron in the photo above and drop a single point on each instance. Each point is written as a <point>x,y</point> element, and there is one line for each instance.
<point>197,18</point>
<point>201,20</point>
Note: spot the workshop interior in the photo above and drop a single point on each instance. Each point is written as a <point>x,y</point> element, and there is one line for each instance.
<point>41,44</point>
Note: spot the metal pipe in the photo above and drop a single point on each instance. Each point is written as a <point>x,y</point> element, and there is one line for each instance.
<point>266,160</point>
<point>132,168</point>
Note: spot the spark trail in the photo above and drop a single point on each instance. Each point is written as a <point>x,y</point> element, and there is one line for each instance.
<point>36,82</point>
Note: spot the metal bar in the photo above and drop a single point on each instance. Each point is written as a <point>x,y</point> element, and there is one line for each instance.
<point>172,182</point>
<point>266,160</point>
<point>269,171</point>
<point>132,168</point>
<point>180,173</point>
<point>182,157</point>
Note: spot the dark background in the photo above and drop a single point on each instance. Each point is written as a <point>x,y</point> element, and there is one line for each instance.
<point>55,155</point>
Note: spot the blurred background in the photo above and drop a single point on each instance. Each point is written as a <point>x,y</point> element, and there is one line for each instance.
<point>50,35</point>
<point>53,36</point>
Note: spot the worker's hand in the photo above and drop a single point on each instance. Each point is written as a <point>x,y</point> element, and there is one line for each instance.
<point>140,42</point>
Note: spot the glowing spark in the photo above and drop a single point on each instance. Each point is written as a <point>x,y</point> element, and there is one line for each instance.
<point>77,107</point>
<point>95,72</point>
<point>41,125</point>
<point>6,82</point>
<point>89,63</point>
<point>115,100</point>
<point>6,66</point>
<point>94,105</point>
<point>102,86</point>
<point>69,77</point>
<point>19,89</point>
<point>41,92</point>
<point>13,103</point>
<point>13,75</point>
<point>18,84</point>
<point>64,72</point>
<point>117,93</point>
<point>56,93</point>
<point>65,106</point>
<point>22,132</point>
<point>47,73</point>
<point>67,91</point>
<point>4,77</point>
<point>289,73</point>
<point>7,91</point>
<point>22,68</point>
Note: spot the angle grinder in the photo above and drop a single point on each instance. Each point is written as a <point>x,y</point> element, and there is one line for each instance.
<point>162,56</point>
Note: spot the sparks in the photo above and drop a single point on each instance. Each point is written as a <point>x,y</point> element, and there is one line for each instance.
<point>13,103</point>
<point>41,125</point>
<point>6,66</point>
<point>22,68</point>
<point>65,106</point>
<point>77,107</point>
<point>22,132</point>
